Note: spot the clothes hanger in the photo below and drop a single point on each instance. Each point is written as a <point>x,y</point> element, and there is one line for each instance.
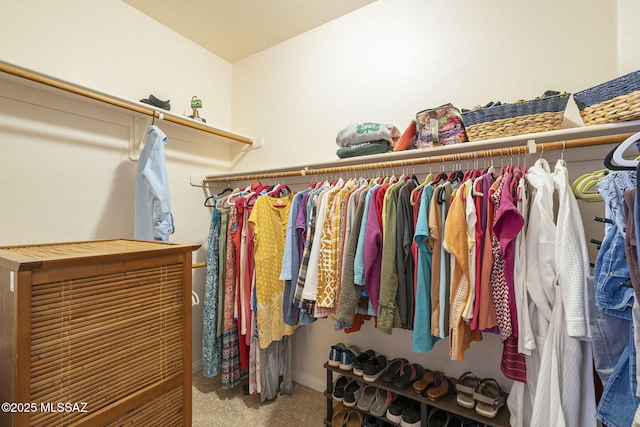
<point>226,190</point>
<point>279,190</point>
<point>440,176</point>
<point>622,147</point>
<point>491,170</point>
<point>608,162</point>
<point>427,180</point>
<point>584,183</point>
<point>457,174</point>
<point>221,203</point>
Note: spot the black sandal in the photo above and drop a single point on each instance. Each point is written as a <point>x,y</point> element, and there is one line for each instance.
<point>408,374</point>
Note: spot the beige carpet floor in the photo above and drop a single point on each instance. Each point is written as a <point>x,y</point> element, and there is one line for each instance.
<point>212,406</point>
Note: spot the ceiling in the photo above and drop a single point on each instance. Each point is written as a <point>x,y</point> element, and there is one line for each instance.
<point>236,29</point>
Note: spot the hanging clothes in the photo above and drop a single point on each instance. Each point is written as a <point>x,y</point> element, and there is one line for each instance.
<point>211,342</point>
<point>232,369</point>
<point>153,219</point>
<point>269,220</point>
<point>460,333</point>
<point>423,338</point>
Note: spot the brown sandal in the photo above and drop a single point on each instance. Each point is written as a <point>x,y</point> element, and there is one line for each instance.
<point>354,419</point>
<point>445,387</point>
<point>425,382</point>
<point>340,415</point>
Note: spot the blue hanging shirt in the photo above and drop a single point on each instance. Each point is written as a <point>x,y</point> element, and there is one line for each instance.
<point>153,219</point>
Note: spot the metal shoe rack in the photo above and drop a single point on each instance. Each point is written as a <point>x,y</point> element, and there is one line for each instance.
<point>447,403</point>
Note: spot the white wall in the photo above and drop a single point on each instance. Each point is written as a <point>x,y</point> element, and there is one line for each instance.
<point>392,58</point>
<point>389,60</point>
<point>628,36</point>
<point>64,168</point>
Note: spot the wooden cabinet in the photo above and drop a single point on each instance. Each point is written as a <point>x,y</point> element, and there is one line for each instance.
<point>96,333</point>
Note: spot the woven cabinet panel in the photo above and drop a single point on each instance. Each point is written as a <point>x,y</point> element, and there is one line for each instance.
<point>99,339</point>
<point>164,410</point>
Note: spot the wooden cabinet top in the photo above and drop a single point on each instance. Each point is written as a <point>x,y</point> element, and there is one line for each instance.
<point>42,256</point>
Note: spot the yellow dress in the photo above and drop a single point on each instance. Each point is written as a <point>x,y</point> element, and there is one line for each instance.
<point>269,218</point>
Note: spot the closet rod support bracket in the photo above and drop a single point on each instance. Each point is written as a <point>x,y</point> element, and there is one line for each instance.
<point>531,144</point>
<point>196,180</point>
<point>138,133</point>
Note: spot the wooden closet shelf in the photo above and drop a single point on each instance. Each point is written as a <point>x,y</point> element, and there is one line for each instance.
<point>585,136</point>
<point>109,99</point>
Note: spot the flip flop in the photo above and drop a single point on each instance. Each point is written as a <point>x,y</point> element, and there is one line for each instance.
<point>381,402</point>
<point>392,369</point>
<point>467,385</point>
<point>366,399</point>
<point>407,375</point>
<point>489,398</point>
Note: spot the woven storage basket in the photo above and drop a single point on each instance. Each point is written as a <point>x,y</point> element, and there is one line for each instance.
<point>536,115</point>
<point>617,100</point>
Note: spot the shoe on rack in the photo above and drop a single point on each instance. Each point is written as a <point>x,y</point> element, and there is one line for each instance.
<point>354,419</point>
<point>446,386</point>
<point>489,398</point>
<point>374,368</point>
<point>352,393</point>
<point>369,394</point>
<point>361,360</point>
<point>467,385</point>
<point>335,355</point>
<point>340,414</point>
<point>370,421</point>
<point>397,407</point>
<point>382,402</point>
<point>427,381</point>
<point>338,388</point>
<point>408,374</point>
<point>349,355</point>
<point>438,418</point>
<point>393,367</point>
<point>411,416</point>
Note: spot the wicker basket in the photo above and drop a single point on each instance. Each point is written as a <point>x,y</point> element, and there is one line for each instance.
<point>617,100</point>
<point>536,115</point>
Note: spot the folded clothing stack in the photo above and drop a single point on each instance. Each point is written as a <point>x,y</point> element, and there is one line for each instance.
<point>360,139</point>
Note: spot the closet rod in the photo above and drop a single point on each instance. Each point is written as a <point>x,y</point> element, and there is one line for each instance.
<point>469,155</point>
<point>118,102</point>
